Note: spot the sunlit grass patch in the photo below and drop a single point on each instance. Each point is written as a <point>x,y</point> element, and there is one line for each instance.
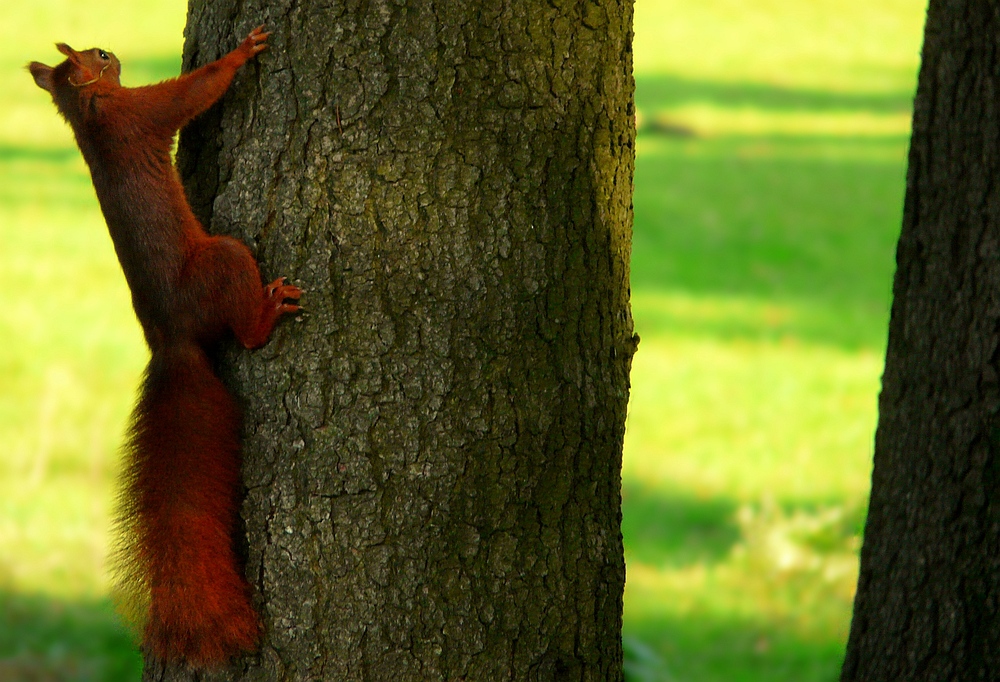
<point>747,420</point>
<point>50,528</point>
<point>835,45</point>
<point>140,27</point>
<point>67,384</point>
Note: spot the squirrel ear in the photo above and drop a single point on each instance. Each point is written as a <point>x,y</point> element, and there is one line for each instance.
<point>42,75</point>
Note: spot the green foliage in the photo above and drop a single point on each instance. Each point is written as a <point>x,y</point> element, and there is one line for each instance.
<point>769,183</point>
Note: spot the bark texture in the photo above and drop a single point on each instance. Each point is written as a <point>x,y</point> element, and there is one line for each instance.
<point>929,589</point>
<point>433,453</point>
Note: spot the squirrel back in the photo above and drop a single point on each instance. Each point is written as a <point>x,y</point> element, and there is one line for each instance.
<point>177,573</point>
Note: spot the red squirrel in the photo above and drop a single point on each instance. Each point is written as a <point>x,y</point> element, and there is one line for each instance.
<point>177,572</point>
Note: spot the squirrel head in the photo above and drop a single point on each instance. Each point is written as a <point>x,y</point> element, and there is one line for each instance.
<point>93,69</point>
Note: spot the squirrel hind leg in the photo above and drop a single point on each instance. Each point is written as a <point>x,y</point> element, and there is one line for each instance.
<point>272,304</point>
<point>233,294</point>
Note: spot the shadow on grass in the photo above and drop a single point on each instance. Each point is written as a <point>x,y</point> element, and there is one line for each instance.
<point>660,91</point>
<point>47,639</point>
<point>45,179</point>
<point>805,222</point>
<point>791,222</point>
<point>675,530</point>
<point>44,154</point>
<point>711,648</point>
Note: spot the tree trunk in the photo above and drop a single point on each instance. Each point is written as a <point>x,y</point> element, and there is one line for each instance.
<point>432,455</point>
<point>929,590</point>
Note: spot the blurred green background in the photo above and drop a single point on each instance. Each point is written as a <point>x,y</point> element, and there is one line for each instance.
<point>768,193</point>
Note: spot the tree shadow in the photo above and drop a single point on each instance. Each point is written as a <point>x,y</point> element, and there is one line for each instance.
<point>809,222</point>
<point>661,91</point>
<point>50,177</point>
<point>676,530</point>
<point>776,221</point>
<point>47,639</point>
<point>9,152</point>
<point>717,648</point>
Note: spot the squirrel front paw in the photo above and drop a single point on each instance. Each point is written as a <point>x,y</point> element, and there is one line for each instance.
<point>254,43</point>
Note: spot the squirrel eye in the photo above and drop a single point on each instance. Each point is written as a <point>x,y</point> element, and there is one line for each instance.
<point>103,55</point>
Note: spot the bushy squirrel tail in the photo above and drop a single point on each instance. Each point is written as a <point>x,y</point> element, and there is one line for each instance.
<point>178,579</point>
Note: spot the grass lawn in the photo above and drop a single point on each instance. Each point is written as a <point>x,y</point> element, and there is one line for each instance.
<point>72,353</point>
<point>769,185</point>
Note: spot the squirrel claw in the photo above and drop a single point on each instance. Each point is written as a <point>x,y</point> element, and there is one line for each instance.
<point>279,291</point>
<point>255,42</point>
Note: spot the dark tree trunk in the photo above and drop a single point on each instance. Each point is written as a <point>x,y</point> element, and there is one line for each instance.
<point>433,453</point>
<point>929,589</point>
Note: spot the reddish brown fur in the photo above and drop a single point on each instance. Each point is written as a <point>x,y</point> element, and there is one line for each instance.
<point>177,571</point>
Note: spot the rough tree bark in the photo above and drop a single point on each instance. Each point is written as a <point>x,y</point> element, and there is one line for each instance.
<point>433,453</point>
<point>929,590</point>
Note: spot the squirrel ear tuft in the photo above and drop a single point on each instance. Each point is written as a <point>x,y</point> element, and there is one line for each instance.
<point>42,75</point>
